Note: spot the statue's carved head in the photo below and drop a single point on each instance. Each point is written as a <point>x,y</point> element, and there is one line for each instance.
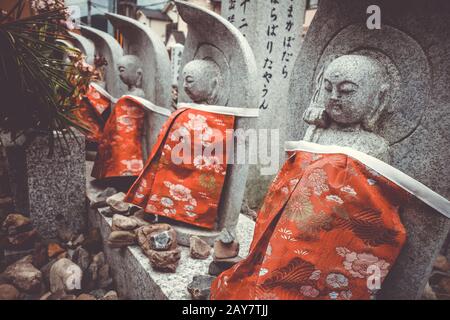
<point>202,80</point>
<point>354,91</point>
<point>130,70</point>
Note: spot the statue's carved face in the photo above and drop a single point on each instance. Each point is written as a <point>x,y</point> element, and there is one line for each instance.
<point>200,81</point>
<point>353,89</point>
<point>130,70</point>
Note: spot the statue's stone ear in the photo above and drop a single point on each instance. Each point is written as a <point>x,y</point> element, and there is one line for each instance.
<point>212,99</point>
<point>139,77</point>
<point>371,120</point>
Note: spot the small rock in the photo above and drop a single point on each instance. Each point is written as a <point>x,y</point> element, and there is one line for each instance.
<point>120,239</point>
<point>122,223</point>
<point>117,203</point>
<point>86,296</point>
<point>22,239</point>
<point>444,284</point>
<point>99,293</point>
<point>226,236</point>
<point>24,276</point>
<point>165,261</point>
<point>441,263</point>
<point>97,262</point>
<point>107,212</point>
<point>428,293</point>
<point>65,276</point>
<point>99,199</point>
<point>46,296</point>
<point>82,258</point>
<point>111,295</point>
<point>216,267</point>
<point>144,234</point>
<point>16,223</point>
<point>164,240</point>
<point>198,248</point>
<point>200,287</point>
<point>54,249</point>
<point>8,292</point>
<point>225,251</point>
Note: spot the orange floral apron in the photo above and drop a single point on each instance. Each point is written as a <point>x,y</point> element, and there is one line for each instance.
<point>189,191</point>
<point>120,147</point>
<point>328,229</point>
<point>90,112</point>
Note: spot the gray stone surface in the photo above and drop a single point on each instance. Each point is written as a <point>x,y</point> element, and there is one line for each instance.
<point>107,47</point>
<point>417,118</point>
<point>273,30</point>
<point>140,41</point>
<point>212,37</point>
<point>85,45</point>
<point>131,270</point>
<point>50,190</point>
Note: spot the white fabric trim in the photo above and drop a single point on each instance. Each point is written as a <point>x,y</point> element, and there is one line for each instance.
<point>232,111</point>
<point>433,199</point>
<point>100,89</point>
<point>148,105</point>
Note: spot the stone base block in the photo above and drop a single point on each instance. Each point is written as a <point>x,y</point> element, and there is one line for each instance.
<point>135,278</point>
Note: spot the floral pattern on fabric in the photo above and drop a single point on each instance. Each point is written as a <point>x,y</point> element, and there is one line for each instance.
<point>189,191</point>
<point>120,149</point>
<point>90,113</point>
<point>323,232</point>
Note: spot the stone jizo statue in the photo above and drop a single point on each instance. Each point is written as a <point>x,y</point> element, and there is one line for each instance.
<point>202,80</point>
<point>131,72</point>
<point>349,103</point>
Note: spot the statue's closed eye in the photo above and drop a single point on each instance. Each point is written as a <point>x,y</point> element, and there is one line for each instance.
<point>189,79</point>
<point>121,69</point>
<point>348,87</point>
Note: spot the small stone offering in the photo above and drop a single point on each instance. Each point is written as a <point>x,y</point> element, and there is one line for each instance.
<point>200,287</point>
<point>24,276</point>
<point>117,203</point>
<point>120,239</point>
<point>65,276</point>
<point>161,241</point>
<point>198,248</point>
<point>225,251</point>
<point>165,261</point>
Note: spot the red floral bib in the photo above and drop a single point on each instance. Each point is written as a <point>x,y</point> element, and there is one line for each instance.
<point>120,147</point>
<point>328,229</point>
<point>190,191</point>
<point>90,110</point>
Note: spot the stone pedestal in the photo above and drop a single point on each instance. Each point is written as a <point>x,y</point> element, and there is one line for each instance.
<point>132,272</point>
<point>274,32</point>
<point>50,190</point>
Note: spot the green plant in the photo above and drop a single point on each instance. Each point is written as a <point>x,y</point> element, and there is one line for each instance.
<point>39,84</point>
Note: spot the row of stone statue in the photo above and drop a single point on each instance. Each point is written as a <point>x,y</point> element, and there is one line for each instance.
<point>335,197</point>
